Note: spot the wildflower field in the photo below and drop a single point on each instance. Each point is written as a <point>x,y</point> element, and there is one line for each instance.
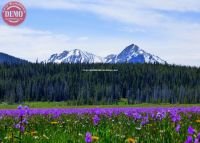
<point>100,125</point>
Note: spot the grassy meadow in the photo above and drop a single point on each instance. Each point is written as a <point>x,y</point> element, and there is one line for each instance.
<point>100,125</point>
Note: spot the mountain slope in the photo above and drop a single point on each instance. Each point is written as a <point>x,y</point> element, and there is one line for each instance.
<point>75,56</point>
<point>5,58</point>
<point>110,58</point>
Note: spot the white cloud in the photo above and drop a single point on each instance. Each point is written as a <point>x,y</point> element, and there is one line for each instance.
<point>139,12</point>
<point>173,5</point>
<point>176,5</point>
<point>30,44</point>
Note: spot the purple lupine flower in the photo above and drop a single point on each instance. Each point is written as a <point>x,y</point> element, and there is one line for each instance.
<point>197,140</point>
<point>191,131</point>
<point>24,121</point>
<point>17,126</point>
<point>137,116</point>
<point>22,129</point>
<point>145,120</point>
<point>152,115</point>
<point>88,137</point>
<point>160,116</point>
<point>26,110</point>
<point>128,114</point>
<point>26,107</point>
<point>178,127</point>
<point>176,118</point>
<point>96,120</point>
<point>21,110</point>
<point>189,139</point>
<point>19,107</point>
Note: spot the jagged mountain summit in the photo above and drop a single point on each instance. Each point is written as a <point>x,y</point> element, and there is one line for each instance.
<point>75,56</point>
<point>5,58</point>
<point>131,54</point>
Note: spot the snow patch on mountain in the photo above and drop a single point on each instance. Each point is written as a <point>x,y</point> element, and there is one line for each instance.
<point>75,56</point>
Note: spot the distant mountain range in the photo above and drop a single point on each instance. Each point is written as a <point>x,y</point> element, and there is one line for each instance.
<point>75,56</point>
<point>131,54</point>
<point>5,58</point>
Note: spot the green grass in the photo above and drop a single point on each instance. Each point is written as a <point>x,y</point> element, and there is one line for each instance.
<point>66,105</point>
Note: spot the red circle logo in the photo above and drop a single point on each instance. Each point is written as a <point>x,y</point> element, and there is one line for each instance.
<point>14,13</point>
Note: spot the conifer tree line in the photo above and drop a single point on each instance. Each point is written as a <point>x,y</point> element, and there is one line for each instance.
<point>138,83</point>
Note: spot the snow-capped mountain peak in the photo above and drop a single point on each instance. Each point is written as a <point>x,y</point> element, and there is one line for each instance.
<point>133,54</point>
<point>75,56</point>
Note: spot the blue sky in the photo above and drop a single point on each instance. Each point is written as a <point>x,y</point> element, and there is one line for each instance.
<point>169,29</point>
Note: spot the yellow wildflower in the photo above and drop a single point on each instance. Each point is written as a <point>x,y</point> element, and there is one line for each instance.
<point>95,138</point>
<point>131,140</point>
<point>54,123</point>
<point>198,121</point>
